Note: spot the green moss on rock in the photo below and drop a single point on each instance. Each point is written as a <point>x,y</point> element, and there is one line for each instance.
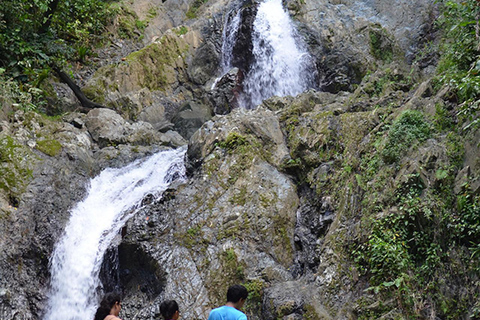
<point>192,11</point>
<point>231,272</point>
<point>50,147</point>
<point>128,24</point>
<point>156,63</point>
<point>410,128</point>
<point>381,45</point>
<point>15,168</point>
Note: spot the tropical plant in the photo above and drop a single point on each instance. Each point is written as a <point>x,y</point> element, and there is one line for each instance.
<point>459,66</point>
<point>37,34</point>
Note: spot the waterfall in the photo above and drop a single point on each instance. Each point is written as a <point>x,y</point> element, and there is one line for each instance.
<point>229,36</point>
<point>112,198</point>
<point>282,65</point>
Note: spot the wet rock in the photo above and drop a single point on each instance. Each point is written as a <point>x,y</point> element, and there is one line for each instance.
<point>226,92</point>
<point>346,37</point>
<point>292,300</point>
<point>204,64</point>
<point>261,122</point>
<point>191,116</point>
<point>108,128</point>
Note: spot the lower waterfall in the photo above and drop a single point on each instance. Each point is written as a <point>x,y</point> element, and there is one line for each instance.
<point>112,198</point>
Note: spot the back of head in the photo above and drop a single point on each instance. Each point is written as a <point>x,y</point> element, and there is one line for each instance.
<point>106,305</point>
<point>168,309</point>
<point>236,292</point>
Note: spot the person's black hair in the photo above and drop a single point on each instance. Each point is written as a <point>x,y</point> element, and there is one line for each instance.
<point>236,292</point>
<point>168,309</point>
<point>106,305</point>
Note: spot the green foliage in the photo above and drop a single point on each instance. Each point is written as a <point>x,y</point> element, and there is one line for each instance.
<point>192,11</point>
<point>11,96</point>
<point>443,118</point>
<point>408,129</point>
<point>255,291</point>
<point>380,45</point>
<point>387,257</point>
<point>152,13</point>
<point>459,66</point>
<point>233,141</point>
<point>465,224</point>
<point>424,233</point>
<point>34,35</point>
<point>255,288</point>
<point>458,22</point>
<point>181,30</point>
<point>193,236</point>
<point>232,268</point>
<point>455,149</point>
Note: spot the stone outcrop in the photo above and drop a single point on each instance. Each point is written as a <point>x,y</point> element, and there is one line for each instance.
<point>347,38</point>
<point>226,92</point>
<point>235,229</point>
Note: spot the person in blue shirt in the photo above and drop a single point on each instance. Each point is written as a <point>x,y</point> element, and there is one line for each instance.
<point>236,297</point>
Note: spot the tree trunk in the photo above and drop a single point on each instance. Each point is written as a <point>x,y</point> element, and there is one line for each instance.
<point>86,103</point>
<point>47,17</point>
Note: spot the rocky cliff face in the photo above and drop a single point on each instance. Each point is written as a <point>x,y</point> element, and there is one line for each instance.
<point>279,198</point>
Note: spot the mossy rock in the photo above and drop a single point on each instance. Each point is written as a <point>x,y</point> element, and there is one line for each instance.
<point>50,147</point>
<point>192,11</point>
<point>128,26</point>
<point>229,272</point>
<point>381,44</point>
<point>156,63</point>
<point>159,66</point>
<point>16,168</point>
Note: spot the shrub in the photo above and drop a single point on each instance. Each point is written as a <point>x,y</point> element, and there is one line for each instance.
<point>408,129</point>
<point>459,65</point>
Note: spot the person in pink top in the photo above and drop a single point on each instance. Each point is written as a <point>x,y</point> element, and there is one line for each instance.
<point>236,297</point>
<point>109,308</point>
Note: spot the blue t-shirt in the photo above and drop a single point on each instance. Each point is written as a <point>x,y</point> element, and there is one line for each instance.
<point>226,313</point>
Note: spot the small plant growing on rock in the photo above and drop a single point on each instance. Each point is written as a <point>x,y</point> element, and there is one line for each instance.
<point>233,140</point>
<point>408,129</point>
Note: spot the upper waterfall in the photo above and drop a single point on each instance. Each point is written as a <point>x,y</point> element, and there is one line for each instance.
<point>229,35</point>
<point>281,66</point>
<point>112,198</point>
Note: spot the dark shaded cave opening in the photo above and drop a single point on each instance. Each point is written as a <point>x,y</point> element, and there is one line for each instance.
<point>130,270</point>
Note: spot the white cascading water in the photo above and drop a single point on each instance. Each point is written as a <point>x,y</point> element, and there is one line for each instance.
<point>112,198</point>
<point>282,66</point>
<point>229,35</point>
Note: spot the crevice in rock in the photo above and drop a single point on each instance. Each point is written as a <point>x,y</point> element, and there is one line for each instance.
<point>109,272</point>
<point>314,217</point>
<point>139,271</point>
<point>129,269</point>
